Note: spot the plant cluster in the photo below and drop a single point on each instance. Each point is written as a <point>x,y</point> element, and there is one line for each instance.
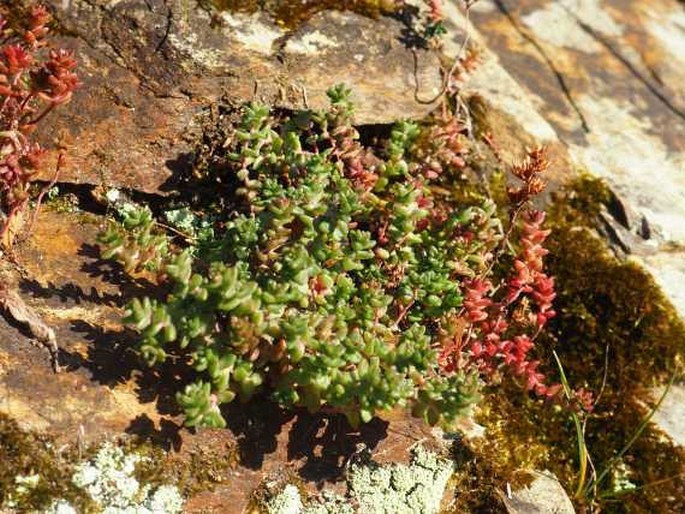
<point>33,80</point>
<point>617,336</point>
<point>345,277</point>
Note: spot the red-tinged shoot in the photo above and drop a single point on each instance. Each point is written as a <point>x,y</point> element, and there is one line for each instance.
<point>31,85</point>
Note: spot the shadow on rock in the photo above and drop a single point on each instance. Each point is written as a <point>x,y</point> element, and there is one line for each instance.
<point>327,442</point>
<point>167,436</point>
<point>112,359</point>
<point>68,292</point>
<point>256,426</point>
<point>409,36</point>
<point>113,273</point>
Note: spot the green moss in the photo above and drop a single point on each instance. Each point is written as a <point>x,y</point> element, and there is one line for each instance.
<point>513,443</point>
<point>292,13</point>
<point>66,203</point>
<point>193,472</point>
<point>25,454</point>
<point>605,307</point>
<point>613,309</point>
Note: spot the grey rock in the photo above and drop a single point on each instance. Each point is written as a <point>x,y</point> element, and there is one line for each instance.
<point>671,415</point>
<point>544,495</point>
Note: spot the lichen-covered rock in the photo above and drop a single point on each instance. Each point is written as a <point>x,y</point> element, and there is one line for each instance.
<point>391,488</point>
<point>288,501</point>
<point>329,503</point>
<point>109,480</point>
<point>400,489</point>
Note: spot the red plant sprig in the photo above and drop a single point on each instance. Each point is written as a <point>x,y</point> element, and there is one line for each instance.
<point>529,277</point>
<point>31,85</point>
<point>503,322</point>
<point>435,15</point>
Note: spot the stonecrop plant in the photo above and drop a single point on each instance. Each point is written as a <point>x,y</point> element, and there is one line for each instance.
<point>34,79</point>
<point>345,277</point>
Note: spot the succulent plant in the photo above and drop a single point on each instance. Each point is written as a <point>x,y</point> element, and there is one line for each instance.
<point>337,279</point>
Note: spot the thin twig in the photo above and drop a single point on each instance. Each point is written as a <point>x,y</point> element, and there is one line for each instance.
<point>447,78</point>
<point>304,96</point>
<point>404,312</point>
<point>187,237</point>
<point>604,377</point>
<point>39,200</point>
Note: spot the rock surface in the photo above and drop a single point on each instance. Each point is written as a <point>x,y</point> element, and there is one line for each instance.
<point>671,415</point>
<point>154,72</point>
<point>576,75</point>
<point>544,495</point>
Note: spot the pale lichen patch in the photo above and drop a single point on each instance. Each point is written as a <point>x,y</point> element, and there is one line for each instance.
<point>251,32</point>
<point>379,489</point>
<point>109,479</point>
<point>288,501</point>
<point>310,44</point>
<point>206,57</point>
<point>400,489</point>
<point>558,24</point>
<point>669,30</point>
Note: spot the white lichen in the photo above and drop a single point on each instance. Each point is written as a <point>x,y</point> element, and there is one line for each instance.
<point>187,43</point>
<point>251,32</point>
<point>60,507</point>
<point>400,489</point>
<point>288,501</point>
<point>329,503</point>
<point>108,478</point>
<point>166,498</point>
<point>310,44</point>
<point>23,485</point>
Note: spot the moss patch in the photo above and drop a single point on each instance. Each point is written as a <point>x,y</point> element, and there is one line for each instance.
<point>194,471</point>
<point>292,13</point>
<point>25,455</point>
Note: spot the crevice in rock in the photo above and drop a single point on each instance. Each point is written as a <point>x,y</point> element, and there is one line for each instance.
<point>566,90</point>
